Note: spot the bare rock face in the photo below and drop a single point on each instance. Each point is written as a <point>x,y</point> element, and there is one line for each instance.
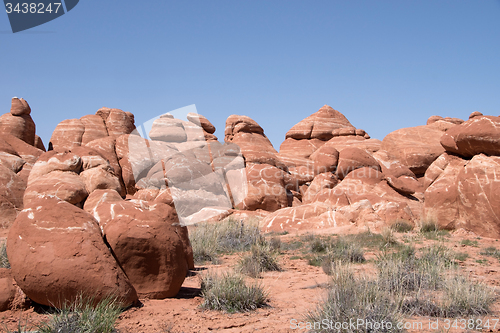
<point>117,121</point>
<point>479,134</point>
<point>68,134</point>
<point>39,143</point>
<point>27,152</point>
<point>14,169</point>
<point>11,296</point>
<point>11,186</point>
<point>20,107</point>
<point>202,121</point>
<point>94,128</point>
<point>322,181</point>
<point>71,176</point>
<point>21,127</point>
<point>253,143</point>
<point>325,159</point>
<point>398,176</point>
<point>106,148</point>
<point>266,188</point>
<point>19,122</point>
<point>465,194</point>
<point>7,289</point>
<point>106,122</point>
<point>414,147</point>
<point>150,246</point>
<point>168,130</point>
<point>319,125</point>
<point>351,159</point>
<point>311,146</point>
<point>56,253</point>
<point>305,217</point>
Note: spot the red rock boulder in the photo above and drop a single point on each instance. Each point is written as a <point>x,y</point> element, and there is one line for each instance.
<point>414,147</point>
<point>480,134</point>
<point>19,122</point>
<point>150,246</point>
<point>57,253</point>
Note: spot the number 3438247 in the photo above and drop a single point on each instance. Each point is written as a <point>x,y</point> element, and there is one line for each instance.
<point>33,8</point>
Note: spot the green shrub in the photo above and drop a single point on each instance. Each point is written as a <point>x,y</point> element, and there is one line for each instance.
<point>4,261</point>
<point>229,292</point>
<point>261,259</point>
<point>83,316</point>
<point>209,240</point>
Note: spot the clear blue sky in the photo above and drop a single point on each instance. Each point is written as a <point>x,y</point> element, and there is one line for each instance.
<point>384,64</point>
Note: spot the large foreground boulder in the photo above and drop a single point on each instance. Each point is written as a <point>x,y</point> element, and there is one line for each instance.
<point>57,253</point>
<point>148,242</point>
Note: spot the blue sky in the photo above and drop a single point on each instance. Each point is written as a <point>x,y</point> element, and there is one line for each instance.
<point>384,64</point>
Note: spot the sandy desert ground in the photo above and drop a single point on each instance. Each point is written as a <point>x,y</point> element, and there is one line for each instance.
<point>294,291</point>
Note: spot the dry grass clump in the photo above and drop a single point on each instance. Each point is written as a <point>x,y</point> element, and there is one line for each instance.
<point>83,316</point>
<point>431,284</point>
<point>401,226</point>
<point>409,283</point>
<point>466,298</point>
<point>4,261</point>
<point>262,258</point>
<point>428,226</point>
<point>349,297</point>
<point>229,292</point>
<point>329,251</point>
<point>209,240</point>
<point>388,237</point>
<point>491,251</point>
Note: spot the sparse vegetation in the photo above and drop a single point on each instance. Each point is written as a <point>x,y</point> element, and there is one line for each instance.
<point>429,226</point>
<point>83,316</point>
<point>409,283</point>
<point>468,242</point>
<point>4,261</point>
<point>328,251</point>
<point>388,237</point>
<point>229,292</point>
<point>461,256</point>
<point>274,243</point>
<point>367,239</point>
<point>401,226</point>
<point>262,258</point>
<point>349,297</point>
<point>491,251</point>
<point>430,230</point>
<point>23,326</point>
<point>209,240</point>
<point>466,298</point>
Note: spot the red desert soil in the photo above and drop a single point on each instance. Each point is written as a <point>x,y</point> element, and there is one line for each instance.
<point>292,293</point>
